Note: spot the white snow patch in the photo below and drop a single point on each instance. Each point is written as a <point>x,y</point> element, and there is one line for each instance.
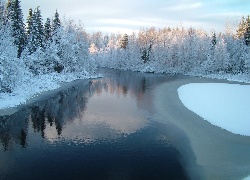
<point>223,105</point>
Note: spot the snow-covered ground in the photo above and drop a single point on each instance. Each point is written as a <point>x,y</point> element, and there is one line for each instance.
<point>223,105</point>
<point>36,85</point>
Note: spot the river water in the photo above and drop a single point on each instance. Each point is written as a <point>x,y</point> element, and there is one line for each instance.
<point>97,129</point>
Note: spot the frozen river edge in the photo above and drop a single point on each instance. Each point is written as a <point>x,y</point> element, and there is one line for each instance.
<point>221,154</point>
<point>41,96</point>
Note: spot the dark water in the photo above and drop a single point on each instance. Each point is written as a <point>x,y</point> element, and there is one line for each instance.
<point>98,129</point>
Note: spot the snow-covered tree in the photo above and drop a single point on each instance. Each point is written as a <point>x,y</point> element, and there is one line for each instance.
<point>56,22</point>
<point>35,31</point>
<point>214,39</point>
<point>31,32</point>
<point>247,31</point>
<point>12,70</point>
<point>39,29</point>
<point>124,41</point>
<point>2,14</point>
<point>47,29</point>
<point>15,16</point>
<point>93,49</point>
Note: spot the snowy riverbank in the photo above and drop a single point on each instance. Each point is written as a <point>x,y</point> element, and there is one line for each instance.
<point>34,86</point>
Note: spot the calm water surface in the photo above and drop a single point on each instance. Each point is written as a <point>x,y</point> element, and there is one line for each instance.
<point>98,129</point>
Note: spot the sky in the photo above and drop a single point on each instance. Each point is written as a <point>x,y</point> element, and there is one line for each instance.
<point>131,15</point>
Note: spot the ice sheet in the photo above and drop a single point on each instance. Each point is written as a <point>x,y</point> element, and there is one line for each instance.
<point>223,105</point>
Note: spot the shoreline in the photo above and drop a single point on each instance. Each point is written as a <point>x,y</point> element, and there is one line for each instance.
<point>213,147</point>
<point>41,96</point>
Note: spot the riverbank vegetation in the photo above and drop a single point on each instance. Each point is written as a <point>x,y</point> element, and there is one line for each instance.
<point>177,50</point>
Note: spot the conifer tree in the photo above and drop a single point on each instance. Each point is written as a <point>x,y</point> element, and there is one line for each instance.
<point>56,22</point>
<point>247,31</point>
<point>124,41</point>
<point>35,31</point>
<point>1,11</point>
<point>39,29</point>
<point>29,22</point>
<point>15,16</point>
<point>241,28</point>
<point>30,30</point>
<point>214,40</point>
<point>47,29</point>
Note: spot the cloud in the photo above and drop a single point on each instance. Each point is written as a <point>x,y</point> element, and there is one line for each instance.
<point>111,29</point>
<point>128,22</point>
<point>183,7</point>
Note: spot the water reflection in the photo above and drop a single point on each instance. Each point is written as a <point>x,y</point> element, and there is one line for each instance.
<point>98,129</point>
<point>79,112</point>
<point>13,130</point>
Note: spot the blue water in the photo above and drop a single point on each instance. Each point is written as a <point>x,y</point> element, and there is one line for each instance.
<point>98,129</point>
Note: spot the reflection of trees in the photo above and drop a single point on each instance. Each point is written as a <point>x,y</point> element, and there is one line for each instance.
<point>13,130</point>
<point>57,111</point>
<point>124,82</point>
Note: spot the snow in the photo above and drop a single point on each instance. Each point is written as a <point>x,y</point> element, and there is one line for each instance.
<point>247,178</point>
<point>35,86</point>
<point>223,105</point>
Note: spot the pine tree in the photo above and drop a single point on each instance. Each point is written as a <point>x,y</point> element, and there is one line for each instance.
<point>29,22</point>
<point>15,16</point>
<point>124,41</point>
<point>241,28</point>
<point>247,31</point>
<point>39,29</point>
<point>47,29</point>
<point>214,40</point>
<point>31,32</point>
<point>35,31</point>
<point>56,23</point>
<point>1,11</point>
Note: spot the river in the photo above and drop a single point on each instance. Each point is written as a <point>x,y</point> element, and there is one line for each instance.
<point>126,125</point>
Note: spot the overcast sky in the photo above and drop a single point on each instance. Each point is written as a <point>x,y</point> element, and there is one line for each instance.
<point>128,15</point>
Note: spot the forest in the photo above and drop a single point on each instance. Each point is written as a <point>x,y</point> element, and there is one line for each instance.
<point>37,54</point>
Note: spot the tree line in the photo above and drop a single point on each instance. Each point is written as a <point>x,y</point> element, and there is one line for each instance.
<point>176,50</point>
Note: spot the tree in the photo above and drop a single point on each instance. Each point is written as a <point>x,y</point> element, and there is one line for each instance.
<point>214,40</point>
<point>1,11</point>
<point>39,29</point>
<point>56,22</point>
<point>30,30</point>
<point>35,31</point>
<point>247,31</point>
<point>124,41</point>
<point>241,28</point>
<point>15,16</point>
<point>47,29</point>
<point>29,22</point>
<point>12,70</point>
